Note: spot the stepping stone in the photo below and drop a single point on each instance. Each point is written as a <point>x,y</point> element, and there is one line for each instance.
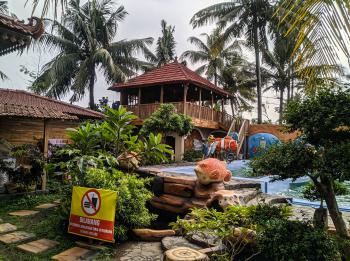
<point>57,201</point>
<point>16,237</point>
<point>0,220</point>
<point>23,213</point>
<point>7,227</point>
<point>174,242</point>
<point>74,254</point>
<point>46,206</point>
<point>139,251</point>
<point>185,254</point>
<point>38,246</point>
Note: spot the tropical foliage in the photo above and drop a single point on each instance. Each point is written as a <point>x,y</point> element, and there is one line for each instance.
<point>84,43</point>
<point>3,7</point>
<point>238,18</point>
<point>165,48</point>
<point>213,54</point>
<point>322,30</point>
<point>166,120</point>
<point>324,152</point>
<point>93,160</point>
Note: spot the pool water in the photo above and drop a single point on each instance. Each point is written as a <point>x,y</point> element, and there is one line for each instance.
<point>288,187</point>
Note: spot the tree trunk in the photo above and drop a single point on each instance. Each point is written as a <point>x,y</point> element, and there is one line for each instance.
<point>332,205</point>
<point>216,79</point>
<point>232,107</point>
<point>91,90</point>
<point>281,106</point>
<point>257,68</point>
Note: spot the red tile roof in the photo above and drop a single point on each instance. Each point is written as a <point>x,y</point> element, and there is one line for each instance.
<point>34,28</point>
<point>174,72</point>
<point>25,104</point>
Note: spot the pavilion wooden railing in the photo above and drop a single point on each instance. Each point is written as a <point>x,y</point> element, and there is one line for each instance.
<point>195,111</point>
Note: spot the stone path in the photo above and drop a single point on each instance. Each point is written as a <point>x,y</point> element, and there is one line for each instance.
<point>23,213</point>
<point>16,237</point>
<point>7,227</point>
<point>10,235</point>
<point>46,206</point>
<point>38,246</point>
<point>74,254</point>
<point>139,251</point>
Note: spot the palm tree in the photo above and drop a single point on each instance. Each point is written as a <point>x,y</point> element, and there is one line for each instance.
<point>84,41</point>
<point>238,78</point>
<point>3,7</point>
<point>241,17</point>
<point>323,36</point>
<point>165,49</point>
<point>212,54</point>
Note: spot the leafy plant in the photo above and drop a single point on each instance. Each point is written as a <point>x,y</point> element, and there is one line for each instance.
<point>165,120</point>
<point>192,155</point>
<point>324,152</point>
<point>283,240</point>
<point>210,222</point>
<point>310,191</point>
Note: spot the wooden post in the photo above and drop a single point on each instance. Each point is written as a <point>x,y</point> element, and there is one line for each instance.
<point>46,149</point>
<point>139,98</point>
<point>200,103</point>
<point>162,94</point>
<point>222,110</point>
<point>212,106</point>
<point>185,97</point>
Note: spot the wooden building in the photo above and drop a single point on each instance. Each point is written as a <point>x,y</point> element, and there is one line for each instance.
<point>190,93</point>
<point>29,118</point>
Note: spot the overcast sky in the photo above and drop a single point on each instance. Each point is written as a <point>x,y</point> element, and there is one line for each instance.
<point>143,21</point>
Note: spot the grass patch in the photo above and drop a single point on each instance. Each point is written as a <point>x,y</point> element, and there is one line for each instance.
<point>45,224</point>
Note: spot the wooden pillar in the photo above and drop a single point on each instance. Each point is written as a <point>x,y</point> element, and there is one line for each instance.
<point>139,98</point>
<point>46,148</point>
<point>185,97</point>
<point>212,106</point>
<point>162,94</point>
<point>200,103</point>
<point>222,110</point>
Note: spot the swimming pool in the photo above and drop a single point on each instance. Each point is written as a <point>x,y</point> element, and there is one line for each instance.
<point>288,187</point>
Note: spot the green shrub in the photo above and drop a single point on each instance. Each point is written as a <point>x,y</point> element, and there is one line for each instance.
<point>294,240</point>
<point>131,210</point>
<point>192,155</point>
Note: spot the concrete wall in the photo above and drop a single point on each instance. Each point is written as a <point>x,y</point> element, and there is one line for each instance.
<point>276,130</point>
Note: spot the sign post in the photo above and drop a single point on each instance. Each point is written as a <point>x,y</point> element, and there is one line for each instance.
<point>93,213</point>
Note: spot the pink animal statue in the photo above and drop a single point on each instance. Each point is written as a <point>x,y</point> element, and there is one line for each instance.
<point>212,170</point>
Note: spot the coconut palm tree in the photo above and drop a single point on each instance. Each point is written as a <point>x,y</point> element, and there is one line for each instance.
<point>212,53</point>
<point>3,7</point>
<point>322,28</point>
<point>165,48</point>
<point>238,78</point>
<point>241,17</point>
<point>166,44</point>
<point>84,43</point>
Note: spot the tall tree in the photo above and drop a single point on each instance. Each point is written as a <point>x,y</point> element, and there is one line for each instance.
<point>280,64</point>
<point>241,17</point>
<point>84,43</point>
<point>3,7</point>
<point>323,36</point>
<point>238,78</point>
<point>212,54</point>
<point>165,48</point>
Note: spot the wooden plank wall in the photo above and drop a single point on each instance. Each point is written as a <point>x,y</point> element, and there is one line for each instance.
<point>19,131</point>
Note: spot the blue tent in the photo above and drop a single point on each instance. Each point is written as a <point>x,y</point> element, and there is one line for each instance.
<point>260,142</point>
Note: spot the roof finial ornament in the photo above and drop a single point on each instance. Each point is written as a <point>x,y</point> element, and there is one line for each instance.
<point>175,60</point>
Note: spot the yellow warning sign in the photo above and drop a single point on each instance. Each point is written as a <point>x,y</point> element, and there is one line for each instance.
<point>93,213</point>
